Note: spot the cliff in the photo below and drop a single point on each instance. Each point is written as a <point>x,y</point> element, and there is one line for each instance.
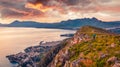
<point>89,47</point>
<point>48,57</point>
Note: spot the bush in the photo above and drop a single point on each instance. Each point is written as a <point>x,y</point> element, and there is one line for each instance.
<point>100,63</point>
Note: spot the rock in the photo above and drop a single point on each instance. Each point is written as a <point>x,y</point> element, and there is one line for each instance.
<point>103,56</point>
<point>112,60</point>
<point>33,54</point>
<point>113,45</point>
<point>12,59</point>
<point>116,65</point>
<point>28,65</point>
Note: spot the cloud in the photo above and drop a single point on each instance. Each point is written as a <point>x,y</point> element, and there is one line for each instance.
<point>60,3</point>
<point>17,10</point>
<point>8,13</point>
<point>59,9</point>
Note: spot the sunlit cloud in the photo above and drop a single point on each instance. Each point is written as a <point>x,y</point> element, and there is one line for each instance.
<point>59,10</point>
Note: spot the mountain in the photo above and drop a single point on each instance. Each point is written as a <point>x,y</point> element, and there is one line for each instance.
<point>89,47</point>
<point>69,24</point>
<point>0,25</point>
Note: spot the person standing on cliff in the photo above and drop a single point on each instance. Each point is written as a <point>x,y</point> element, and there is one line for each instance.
<point>94,36</point>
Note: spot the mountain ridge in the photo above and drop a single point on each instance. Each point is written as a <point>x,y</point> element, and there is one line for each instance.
<point>69,24</point>
<point>113,26</point>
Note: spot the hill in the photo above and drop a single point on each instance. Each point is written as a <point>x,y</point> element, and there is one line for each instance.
<point>69,24</point>
<point>91,29</point>
<point>89,47</point>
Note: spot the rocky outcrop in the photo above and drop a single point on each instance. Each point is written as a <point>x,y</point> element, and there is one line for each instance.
<point>112,60</point>
<point>115,61</point>
<point>89,47</point>
<point>33,54</point>
<point>63,56</point>
<point>116,64</point>
<point>52,53</point>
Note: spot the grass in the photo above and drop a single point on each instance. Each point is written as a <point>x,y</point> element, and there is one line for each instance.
<point>91,49</point>
<point>92,52</point>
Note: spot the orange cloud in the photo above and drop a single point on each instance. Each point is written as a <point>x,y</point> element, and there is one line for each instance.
<point>58,9</point>
<point>38,7</point>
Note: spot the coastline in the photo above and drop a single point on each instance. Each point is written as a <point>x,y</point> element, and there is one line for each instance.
<point>32,55</point>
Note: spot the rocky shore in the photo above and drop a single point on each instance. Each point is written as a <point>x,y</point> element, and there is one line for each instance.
<point>32,55</point>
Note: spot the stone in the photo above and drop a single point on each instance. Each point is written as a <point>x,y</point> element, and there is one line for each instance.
<point>113,45</point>
<point>112,60</point>
<point>116,65</point>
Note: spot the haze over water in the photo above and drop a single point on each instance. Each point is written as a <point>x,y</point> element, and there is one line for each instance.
<point>14,40</point>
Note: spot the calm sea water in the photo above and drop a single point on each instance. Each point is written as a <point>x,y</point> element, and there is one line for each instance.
<point>14,40</point>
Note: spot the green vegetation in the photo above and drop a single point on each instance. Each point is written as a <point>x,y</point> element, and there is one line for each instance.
<point>59,64</point>
<point>89,47</point>
<point>90,29</point>
<point>104,46</point>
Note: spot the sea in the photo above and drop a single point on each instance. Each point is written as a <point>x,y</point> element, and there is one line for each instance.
<point>14,40</point>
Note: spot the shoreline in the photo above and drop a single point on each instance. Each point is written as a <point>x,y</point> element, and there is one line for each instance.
<point>32,55</point>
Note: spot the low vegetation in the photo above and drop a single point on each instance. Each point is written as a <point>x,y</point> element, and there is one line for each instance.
<point>90,47</point>
<point>97,50</point>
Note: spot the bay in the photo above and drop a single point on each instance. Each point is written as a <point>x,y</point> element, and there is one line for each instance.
<point>14,40</point>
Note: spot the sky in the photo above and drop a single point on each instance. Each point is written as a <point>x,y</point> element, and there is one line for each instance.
<point>58,10</point>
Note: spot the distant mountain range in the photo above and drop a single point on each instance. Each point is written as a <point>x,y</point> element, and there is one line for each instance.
<point>69,24</point>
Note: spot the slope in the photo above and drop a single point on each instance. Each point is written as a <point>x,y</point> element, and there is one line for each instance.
<point>90,47</point>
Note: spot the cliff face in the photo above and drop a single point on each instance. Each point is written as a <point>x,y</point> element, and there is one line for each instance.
<point>48,57</point>
<point>89,47</point>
